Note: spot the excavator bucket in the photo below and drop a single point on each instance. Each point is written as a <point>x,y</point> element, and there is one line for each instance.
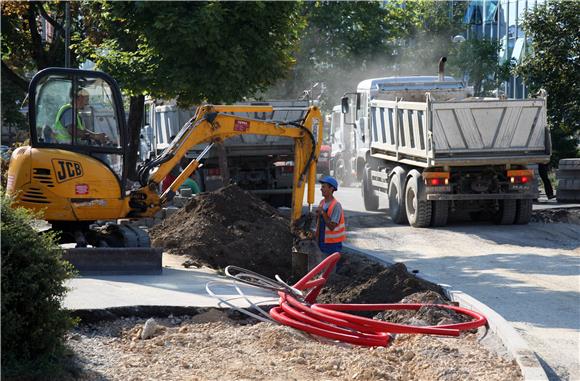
<point>115,260</point>
<point>305,251</point>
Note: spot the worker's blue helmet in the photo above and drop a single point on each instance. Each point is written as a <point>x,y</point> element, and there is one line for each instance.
<point>330,181</point>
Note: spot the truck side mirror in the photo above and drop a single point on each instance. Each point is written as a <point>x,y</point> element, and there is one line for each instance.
<point>344,104</point>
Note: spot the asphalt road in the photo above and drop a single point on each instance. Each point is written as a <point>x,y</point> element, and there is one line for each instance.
<point>529,274</point>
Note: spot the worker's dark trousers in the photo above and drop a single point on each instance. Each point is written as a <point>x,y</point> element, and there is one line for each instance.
<point>543,170</point>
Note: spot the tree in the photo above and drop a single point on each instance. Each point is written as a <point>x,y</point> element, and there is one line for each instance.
<point>433,26</point>
<point>479,61</point>
<point>25,50</point>
<point>554,65</point>
<point>191,51</point>
<point>343,43</point>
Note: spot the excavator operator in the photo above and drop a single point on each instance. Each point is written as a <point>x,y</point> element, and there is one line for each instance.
<point>64,122</point>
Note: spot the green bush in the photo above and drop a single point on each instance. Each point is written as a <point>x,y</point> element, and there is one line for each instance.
<point>33,275</point>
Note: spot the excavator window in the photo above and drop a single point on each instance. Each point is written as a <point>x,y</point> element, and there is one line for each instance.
<point>59,98</point>
<point>78,113</point>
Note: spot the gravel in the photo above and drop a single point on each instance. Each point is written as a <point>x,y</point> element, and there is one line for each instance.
<point>210,346</point>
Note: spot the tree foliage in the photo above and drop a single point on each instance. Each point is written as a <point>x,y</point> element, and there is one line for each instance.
<point>554,65</point>
<point>479,61</point>
<point>434,24</point>
<point>341,44</point>
<point>346,42</point>
<point>194,51</point>
<point>25,50</point>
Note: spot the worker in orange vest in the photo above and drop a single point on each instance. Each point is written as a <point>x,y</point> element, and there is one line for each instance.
<point>330,227</point>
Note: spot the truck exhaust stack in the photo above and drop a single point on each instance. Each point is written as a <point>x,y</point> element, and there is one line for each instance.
<point>442,61</point>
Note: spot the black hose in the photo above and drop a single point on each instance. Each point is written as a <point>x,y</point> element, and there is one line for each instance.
<point>313,152</point>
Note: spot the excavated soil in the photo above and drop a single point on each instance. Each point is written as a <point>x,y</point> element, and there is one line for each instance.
<point>228,227</point>
<point>231,226</point>
<point>562,215</point>
<point>360,280</point>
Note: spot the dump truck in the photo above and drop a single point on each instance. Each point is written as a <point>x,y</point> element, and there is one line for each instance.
<point>75,170</point>
<point>431,148</point>
<point>262,165</point>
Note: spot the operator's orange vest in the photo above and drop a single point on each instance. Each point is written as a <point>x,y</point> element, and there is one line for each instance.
<point>339,233</point>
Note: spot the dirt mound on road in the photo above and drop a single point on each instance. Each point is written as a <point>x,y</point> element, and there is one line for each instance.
<point>229,227</point>
<point>563,215</point>
<point>233,227</point>
<point>361,280</point>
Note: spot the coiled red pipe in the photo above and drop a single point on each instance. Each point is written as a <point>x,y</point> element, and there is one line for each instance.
<point>329,320</point>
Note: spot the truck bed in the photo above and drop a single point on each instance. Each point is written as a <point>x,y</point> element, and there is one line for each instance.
<point>473,131</point>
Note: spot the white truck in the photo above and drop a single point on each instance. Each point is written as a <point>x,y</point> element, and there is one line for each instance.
<point>431,148</point>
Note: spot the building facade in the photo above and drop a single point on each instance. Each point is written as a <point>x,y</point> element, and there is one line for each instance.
<point>501,20</point>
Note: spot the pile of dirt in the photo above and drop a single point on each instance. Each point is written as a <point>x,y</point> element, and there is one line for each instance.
<point>360,280</point>
<point>562,215</point>
<point>229,227</point>
<point>426,315</point>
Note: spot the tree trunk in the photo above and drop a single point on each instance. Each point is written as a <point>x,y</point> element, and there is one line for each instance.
<point>223,163</point>
<point>134,124</point>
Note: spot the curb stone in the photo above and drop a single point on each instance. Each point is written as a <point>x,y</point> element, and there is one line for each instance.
<point>513,342</point>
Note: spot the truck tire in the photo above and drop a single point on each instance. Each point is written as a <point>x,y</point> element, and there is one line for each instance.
<point>506,214</point>
<point>440,213</point>
<point>370,199</point>
<point>523,212</point>
<point>418,211</point>
<point>397,210</point>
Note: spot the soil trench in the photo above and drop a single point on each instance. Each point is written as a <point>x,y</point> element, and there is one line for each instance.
<point>233,227</point>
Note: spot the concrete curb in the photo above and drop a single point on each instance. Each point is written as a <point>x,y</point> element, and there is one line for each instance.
<point>513,342</point>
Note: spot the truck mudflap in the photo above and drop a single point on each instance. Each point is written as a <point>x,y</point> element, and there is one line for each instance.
<point>491,196</point>
<point>115,260</point>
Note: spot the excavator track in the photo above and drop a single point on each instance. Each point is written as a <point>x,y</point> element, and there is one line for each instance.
<point>117,249</point>
<point>115,260</point>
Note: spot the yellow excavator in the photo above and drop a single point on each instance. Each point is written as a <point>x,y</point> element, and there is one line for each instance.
<point>75,170</point>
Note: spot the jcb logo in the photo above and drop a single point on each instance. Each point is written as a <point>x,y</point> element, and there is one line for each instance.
<point>66,170</point>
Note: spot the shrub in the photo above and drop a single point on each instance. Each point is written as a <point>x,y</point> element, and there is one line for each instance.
<point>33,275</point>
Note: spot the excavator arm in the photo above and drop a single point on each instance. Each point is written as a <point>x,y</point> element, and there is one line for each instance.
<point>213,124</point>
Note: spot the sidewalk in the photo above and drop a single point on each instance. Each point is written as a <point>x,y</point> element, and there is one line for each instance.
<point>176,286</point>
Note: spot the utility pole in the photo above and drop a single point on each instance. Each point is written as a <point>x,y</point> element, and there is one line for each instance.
<point>67,35</point>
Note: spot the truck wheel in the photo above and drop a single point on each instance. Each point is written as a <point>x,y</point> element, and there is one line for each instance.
<point>418,211</point>
<point>397,197</point>
<point>370,199</point>
<point>440,213</point>
<point>523,211</point>
<point>506,214</point>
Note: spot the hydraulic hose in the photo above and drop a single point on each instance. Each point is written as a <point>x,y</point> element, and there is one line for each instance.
<point>312,153</point>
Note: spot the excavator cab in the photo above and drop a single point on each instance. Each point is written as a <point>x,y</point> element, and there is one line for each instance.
<point>75,167</point>
<point>98,130</point>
